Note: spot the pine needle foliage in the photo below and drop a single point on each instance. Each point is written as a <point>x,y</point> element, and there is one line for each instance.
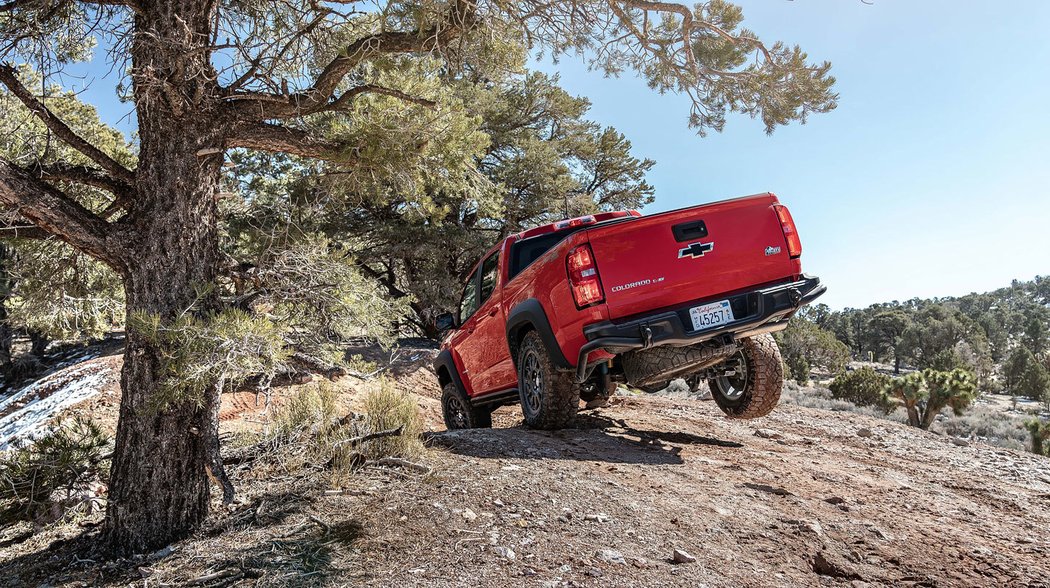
<point>222,349</point>
<point>38,476</point>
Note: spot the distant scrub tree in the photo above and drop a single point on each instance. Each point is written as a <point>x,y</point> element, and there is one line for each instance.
<point>863,387</point>
<point>1026,376</point>
<point>924,394</point>
<point>805,345</point>
<point>890,327</point>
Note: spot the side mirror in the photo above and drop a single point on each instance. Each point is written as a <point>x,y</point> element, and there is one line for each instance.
<point>445,321</point>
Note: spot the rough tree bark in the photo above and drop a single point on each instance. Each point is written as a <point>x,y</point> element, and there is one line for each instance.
<point>160,484</point>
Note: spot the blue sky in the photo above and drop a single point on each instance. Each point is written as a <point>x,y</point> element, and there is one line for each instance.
<point>928,180</point>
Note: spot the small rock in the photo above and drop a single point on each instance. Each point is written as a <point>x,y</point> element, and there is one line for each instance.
<point>565,569</point>
<point>504,552</point>
<point>768,434</point>
<point>864,432</point>
<point>528,572</point>
<point>600,517</point>
<point>679,556</point>
<point>611,556</point>
<point>498,502</point>
<point>469,515</point>
<point>640,562</point>
<point>593,572</point>
<point>145,572</point>
<point>835,500</point>
<point>813,527</point>
<point>161,553</point>
<point>960,442</point>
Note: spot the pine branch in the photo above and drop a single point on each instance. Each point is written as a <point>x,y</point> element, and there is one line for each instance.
<point>55,212</point>
<point>281,139</point>
<point>9,77</point>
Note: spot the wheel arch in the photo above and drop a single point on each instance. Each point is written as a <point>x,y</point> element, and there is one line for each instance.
<point>528,315</point>
<point>446,371</point>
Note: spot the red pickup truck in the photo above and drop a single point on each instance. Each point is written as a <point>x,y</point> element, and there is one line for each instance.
<point>566,311</point>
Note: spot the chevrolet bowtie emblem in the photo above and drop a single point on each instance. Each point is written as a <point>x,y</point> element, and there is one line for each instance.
<point>696,250</point>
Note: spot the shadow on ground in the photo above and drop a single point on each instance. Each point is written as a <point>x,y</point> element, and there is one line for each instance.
<point>595,438</point>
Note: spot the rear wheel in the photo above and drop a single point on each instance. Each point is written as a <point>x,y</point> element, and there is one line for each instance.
<point>458,411</point>
<point>549,397</point>
<point>754,377</point>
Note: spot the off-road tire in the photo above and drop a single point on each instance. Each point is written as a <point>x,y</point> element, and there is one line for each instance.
<point>549,397</point>
<point>659,365</point>
<point>460,413</point>
<point>764,382</point>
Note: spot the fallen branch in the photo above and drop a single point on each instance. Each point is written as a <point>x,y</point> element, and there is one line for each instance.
<point>355,441</point>
<point>346,492</point>
<point>401,463</point>
<point>326,369</point>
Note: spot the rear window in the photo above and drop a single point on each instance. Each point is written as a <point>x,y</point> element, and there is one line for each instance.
<point>526,251</point>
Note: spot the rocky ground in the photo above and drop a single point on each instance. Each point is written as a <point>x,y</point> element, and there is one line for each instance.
<point>804,497</point>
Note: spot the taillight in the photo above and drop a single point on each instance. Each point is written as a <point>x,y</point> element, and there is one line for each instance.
<point>584,281</point>
<point>576,222</point>
<point>790,233</point>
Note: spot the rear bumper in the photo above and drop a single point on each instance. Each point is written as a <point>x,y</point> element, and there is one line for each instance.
<point>763,310</point>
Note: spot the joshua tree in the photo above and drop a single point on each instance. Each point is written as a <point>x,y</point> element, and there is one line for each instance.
<point>924,394</point>
<point>1040,432</point>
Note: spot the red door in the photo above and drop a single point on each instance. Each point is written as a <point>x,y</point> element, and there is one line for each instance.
<point>483,349</point>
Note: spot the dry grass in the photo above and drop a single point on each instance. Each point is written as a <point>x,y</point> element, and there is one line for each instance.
<point>309,431</point>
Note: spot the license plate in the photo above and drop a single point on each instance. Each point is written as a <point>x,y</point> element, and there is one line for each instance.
<point>711,315</point>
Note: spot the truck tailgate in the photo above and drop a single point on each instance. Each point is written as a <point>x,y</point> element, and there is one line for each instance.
<point>678,256</point>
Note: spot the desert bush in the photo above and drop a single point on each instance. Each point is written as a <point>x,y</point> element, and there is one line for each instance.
<point>988,424</point>
<point>803,345</point>
<point>45,477</point>
<point>863,387</point>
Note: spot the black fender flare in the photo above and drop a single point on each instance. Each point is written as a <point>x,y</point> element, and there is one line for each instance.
<point>529,314</point>
<point>446,371</point>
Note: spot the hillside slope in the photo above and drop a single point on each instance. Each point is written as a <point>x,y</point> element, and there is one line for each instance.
<point>802,498</point>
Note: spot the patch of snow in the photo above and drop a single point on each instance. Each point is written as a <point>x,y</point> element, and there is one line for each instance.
<point>67,387</point>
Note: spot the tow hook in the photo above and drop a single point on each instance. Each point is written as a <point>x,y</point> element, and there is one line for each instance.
<point>795,295</point>
<point>647,337</point>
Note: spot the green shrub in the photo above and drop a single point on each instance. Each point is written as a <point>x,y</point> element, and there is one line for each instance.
<point>863,387</point>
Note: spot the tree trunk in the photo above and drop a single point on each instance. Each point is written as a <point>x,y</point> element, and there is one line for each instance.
<point>913,414</point>
<point>6,284</point>
<point>896,363</point>
<point>159,484</point>
<point>38,343</point>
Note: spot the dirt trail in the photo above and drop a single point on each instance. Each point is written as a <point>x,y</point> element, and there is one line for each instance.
<point>807,501</point>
